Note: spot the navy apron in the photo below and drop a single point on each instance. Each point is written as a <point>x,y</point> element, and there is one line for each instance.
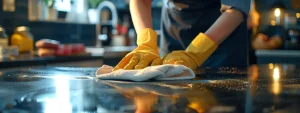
<point>183,20</point>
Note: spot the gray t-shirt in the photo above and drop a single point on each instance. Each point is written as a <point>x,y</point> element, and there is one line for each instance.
<point>242,5</point>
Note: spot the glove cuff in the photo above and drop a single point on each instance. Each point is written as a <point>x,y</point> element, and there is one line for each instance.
<point>147,41</point>
<point>147,37</point>
<point>201,48</point>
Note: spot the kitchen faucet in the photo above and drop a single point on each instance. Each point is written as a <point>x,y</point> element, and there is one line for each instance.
<point>113,10</point>
<point>113,22</point>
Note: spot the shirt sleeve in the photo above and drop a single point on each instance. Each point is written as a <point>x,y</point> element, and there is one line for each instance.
<point>241,5</point>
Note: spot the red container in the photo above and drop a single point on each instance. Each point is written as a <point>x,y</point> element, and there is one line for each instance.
<point>69,49</point>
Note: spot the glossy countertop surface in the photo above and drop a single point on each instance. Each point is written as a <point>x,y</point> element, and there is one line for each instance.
<point>271,88</point>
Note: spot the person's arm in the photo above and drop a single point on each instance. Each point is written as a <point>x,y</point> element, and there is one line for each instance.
<point>203,45</point>
<point>230,19</point>
<point>141,14</point>
<point>225,25</point>
<point>146,53</point>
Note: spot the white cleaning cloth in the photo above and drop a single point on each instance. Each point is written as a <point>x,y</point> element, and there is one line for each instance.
<point>159,88</point>
<point>160,72</point>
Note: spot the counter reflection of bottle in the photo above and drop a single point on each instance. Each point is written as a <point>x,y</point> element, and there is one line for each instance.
<point>23,39</point>
<point>3,38</point>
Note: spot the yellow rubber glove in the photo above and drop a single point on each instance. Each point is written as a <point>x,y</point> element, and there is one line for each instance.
<point>144,55</point>
<point>194,55</point>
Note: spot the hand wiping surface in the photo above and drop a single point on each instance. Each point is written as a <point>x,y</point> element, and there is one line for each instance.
<point>160,72</point>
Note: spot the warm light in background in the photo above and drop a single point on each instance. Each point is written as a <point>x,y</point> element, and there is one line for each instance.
<point>298,15</point>
<point>276,73</point>
<point>277,12</point>
<point>271,66</point>
<point>273,22</point>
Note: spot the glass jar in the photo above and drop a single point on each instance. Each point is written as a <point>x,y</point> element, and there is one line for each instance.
<point>3,38</point>
<point>23,38</point>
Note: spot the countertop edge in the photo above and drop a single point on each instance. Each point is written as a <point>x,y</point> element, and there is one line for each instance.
<point>277,53</point>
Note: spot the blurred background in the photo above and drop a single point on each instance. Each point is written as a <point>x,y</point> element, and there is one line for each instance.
<point>273,25</point>
<point>71,21</point>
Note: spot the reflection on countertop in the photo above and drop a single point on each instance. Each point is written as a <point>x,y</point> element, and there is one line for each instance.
<point>267,88</point>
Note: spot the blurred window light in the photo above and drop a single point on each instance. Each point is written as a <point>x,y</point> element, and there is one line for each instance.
<point>80,8</point>
<point>8,5</point>
<point>63,5</point>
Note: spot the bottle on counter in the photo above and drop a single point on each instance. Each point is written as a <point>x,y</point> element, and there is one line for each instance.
<point>23,39</point>
<point>118,39</point>
<point>132,37</point>
<point>3,38</point>
<point>6,51</point>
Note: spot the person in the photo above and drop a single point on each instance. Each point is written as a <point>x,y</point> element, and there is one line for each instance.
<point>195,33</point>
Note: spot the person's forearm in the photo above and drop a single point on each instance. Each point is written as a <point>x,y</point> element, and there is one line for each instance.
<point>141,14</point>
<point>225,25</point>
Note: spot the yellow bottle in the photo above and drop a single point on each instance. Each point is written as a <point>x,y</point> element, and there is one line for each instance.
<point>23,39</point>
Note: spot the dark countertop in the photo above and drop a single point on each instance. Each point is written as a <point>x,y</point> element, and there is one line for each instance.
<point>272,88</point>
<point>94,54</point>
